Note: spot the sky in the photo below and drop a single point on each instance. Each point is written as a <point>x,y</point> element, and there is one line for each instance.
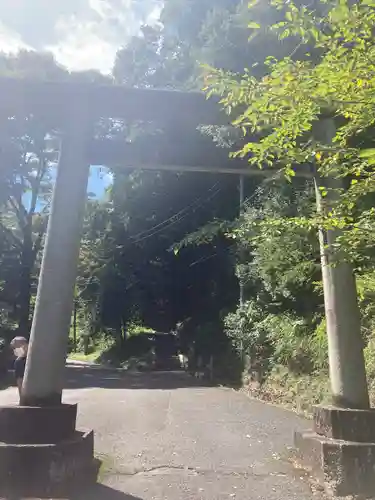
<point>100,178</point>
<point>82,34</point>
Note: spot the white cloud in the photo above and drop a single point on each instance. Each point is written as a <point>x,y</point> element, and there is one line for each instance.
<point>10,42</point>
<point>82,34</point>
<point>108,179</point>
<point>83,48</point>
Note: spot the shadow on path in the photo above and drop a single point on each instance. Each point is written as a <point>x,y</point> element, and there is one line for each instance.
<point>96,492</point>
<point>80,378</point>
<point>83,487</point>
<point>101,492</point>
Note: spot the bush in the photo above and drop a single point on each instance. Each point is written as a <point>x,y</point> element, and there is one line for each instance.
<point>319,346</point>
<point>295,343</point>
<point>299,392</point>
<point>246,330</point>
<point>369,353</point>
<point>277,339</point>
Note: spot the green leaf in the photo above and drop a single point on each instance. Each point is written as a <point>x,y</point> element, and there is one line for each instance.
<point>367,153</point>
<point>284,34</point>
<point>254,25</point>
<point>288,16</point>
<point>316,34</point>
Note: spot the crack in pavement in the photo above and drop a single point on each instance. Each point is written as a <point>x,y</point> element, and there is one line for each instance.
<point>194,471</point>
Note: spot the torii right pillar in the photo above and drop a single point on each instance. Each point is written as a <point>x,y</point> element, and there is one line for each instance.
<point>341,447</point>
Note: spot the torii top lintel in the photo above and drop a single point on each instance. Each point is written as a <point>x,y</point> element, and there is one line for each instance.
<point>180,112</point>
<point>111,101</point>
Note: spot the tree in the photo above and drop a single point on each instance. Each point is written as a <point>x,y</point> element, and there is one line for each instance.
<point>127,258</point>
<point>26,203</point>
<point>280,111</point>
<point>26,182</point>
<point>190,32</point>
<point>166,56</point>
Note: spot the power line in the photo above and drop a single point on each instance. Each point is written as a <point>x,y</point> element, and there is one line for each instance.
<point>177,220</point>
<point>173,216</point>
<point>171,221</point>
<point>244,205</point>
<point>203,259</point>
<point>177,214</point>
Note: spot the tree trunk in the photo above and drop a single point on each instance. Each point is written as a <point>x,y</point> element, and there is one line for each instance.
<point>242,256</point>
<point>123,330</point>
<point>75,327</point>
<point>24,298</point>
<point>86,344</point>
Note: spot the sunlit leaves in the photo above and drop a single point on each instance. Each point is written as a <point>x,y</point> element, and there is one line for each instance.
<point>368,155</point>
<point>280,112</point>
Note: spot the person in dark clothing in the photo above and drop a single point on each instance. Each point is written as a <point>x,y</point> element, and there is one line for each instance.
<point>20,347</point>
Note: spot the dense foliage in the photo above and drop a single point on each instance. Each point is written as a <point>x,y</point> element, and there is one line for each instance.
<point>308,114</point>
<point>281,113</point>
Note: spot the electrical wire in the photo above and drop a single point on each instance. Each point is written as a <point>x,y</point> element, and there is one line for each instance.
<point>245,205</point>
<point>171,221</point>
<point>142,233</point>
<point>177,220</point>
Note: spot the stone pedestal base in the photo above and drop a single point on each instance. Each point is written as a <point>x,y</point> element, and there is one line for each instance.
<point>34,424</point>
<point>340,451</point>
<point>51,466</point>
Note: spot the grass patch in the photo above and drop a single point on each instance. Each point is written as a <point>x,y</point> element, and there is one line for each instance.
<point>296,392</point>
<point>106,465</point>
<point>301,392</point>
<point>139,330</point>
<point>89,358</point>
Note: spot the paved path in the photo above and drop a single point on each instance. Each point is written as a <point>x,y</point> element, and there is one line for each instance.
<point>162,437</point>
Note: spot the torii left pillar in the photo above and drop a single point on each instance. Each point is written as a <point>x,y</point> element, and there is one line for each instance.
<point>26,466</point>
<point>45,365</point>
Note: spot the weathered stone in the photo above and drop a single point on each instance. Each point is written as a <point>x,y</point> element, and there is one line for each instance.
<point>346,424</point>
<point>38,470</point>
<point>41,453</point>
<point>52,400</point>
<point>343,467</point>
<point>37,425</point>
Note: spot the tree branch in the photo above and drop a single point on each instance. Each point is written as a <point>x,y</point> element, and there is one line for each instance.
<point>20,211</point>
<point>38,180</point>
<point>12,236</point>
<point>38,242</point>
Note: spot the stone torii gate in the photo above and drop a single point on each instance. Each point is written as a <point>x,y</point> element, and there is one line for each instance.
<point>41,419</point>
<point>77,107</point>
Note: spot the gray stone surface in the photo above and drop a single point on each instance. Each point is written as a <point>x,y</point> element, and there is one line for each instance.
<point>47,469</point>
<point>33,425</point>
<point>345,423</point>
<point>345,468</point>
<point>161,437</point>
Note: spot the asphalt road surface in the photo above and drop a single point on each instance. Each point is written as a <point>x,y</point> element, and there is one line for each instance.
<point>161,436</point>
